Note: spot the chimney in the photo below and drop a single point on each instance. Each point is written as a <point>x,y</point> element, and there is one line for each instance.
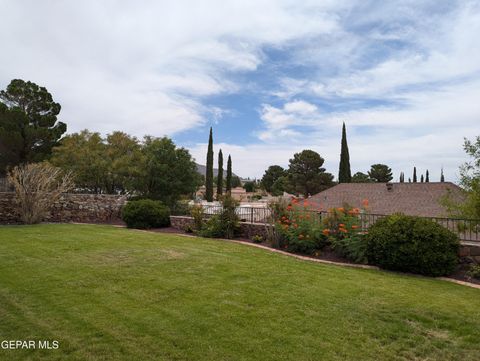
<point>389,187</point>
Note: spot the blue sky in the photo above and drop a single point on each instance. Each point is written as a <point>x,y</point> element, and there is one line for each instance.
<point>272,77</point>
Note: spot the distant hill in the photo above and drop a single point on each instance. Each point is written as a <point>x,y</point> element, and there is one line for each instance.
<point>203,169</point>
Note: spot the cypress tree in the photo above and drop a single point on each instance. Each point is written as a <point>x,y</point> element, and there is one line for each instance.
<point>220,175</point>
<point>442,177</point>
<point>229,174</point>
<point>414,174</point>
<point>344,172</point>
<point>421,178</point>
<point>402,177</point>
<point>409,180</point>
<point>427,177</point>
<point>209,171</point>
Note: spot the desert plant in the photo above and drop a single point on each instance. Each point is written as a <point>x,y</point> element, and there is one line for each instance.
<point>412,244</point>
<point>198,214</point>
<point>474,271</point>
<point>145,214</point>
<point>257,238</point>
<point>299,229</point>
<point>344,231</point>
<point>37,186</point>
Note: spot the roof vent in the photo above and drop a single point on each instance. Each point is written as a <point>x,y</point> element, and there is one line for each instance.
<point>389,186</point>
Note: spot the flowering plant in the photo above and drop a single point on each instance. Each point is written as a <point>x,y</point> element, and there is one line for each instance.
<point>343,227</point>
<point>300,228</point>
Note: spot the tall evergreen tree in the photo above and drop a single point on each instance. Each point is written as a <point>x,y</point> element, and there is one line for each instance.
<point>442,177</point>
<point>409,180</point>
<point>344,172</point>
<point>414,174</point>
<point>402,177</point>
<point>427,177</point>
<point>220,175</point>
<point>421,178</point>
<point>229,174</point>
<point>209,171</point>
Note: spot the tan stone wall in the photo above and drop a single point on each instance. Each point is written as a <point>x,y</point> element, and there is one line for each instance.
<point>83,208</point>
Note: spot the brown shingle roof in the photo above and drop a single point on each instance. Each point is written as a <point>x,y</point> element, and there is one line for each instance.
<point>419,199</point>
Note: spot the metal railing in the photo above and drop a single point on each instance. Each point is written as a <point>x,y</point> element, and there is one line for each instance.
<point>468,230</point>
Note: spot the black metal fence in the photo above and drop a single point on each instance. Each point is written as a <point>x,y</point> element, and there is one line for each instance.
<point>467,230</point>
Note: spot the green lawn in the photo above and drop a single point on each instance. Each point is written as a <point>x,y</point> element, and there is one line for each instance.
<point>107,293</point>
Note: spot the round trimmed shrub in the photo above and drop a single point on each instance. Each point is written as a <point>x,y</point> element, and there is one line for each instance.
<point>412,244</point>
<point>146,213</point>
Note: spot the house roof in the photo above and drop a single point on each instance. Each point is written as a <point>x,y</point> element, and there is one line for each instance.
<point>418,199</point>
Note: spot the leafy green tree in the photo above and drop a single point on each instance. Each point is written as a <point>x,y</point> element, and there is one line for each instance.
<point>168,172</point>
<point>28,123</point>
<point>470,182</point>
<point>229,175</point>
<point>344,172</point>
<point>306,173</point>
<point>414,174</point>
<point>84,154</point>
<point>209,171</point>
<point>220,175</point>
<point>249,186</point>
<point>236,182</point>
<point>380,173</point>
<point>360,177</point>
<point>110,165</point>
<point>272,174</point>
<point>281,185</point>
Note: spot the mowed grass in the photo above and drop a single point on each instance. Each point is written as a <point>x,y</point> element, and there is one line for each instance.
<point>108,293</point>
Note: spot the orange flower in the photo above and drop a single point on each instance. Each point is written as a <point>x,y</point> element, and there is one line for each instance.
<point>365,202</point>
<point>343,230</point>
<point>307,216</point>
<point>341,225</point>
<point>295,225</point>
<point>289,208</point>
<point>326,232</point>
<point>305,203</point>
<point>341,209</point>
<point>355,226</point>
<point>294,200</point>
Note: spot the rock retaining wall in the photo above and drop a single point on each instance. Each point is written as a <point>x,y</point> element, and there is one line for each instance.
<point>82,208</point>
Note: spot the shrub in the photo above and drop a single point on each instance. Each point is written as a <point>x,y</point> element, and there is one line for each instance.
<point>344,230</point>
<point>257,239</point>
<point>474,271</point>
<point>412,244</point>
<point>300,233</point>
<point>198,214</point>
<point>225,224</point>
<point>146,213</point>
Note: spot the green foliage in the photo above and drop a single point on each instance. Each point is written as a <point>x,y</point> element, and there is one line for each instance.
<point>469,206</point>
<point>145,214</point>
<point>281,185</point>
<point>236,182</point>
<point>209,170</point>
<point>344,172</point>
<point>249,186</point>
<point>28,124</point>
<point>380,173</point>
<point>223,225</point>
<point>198,214</point>
<point>257,239</point>
<point>167,172</point>
<point>306,173</point>
<point>474,271</point>
<point>300,232</point>
<point>360,177</point>
<point>412,244</point>
<point>414,174</point>
<point>345,233</point>
<point>229,174</point>
<point>220,175</point>
<point>427,177</point>
<point>272,174</point>
<point>109,165</point>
